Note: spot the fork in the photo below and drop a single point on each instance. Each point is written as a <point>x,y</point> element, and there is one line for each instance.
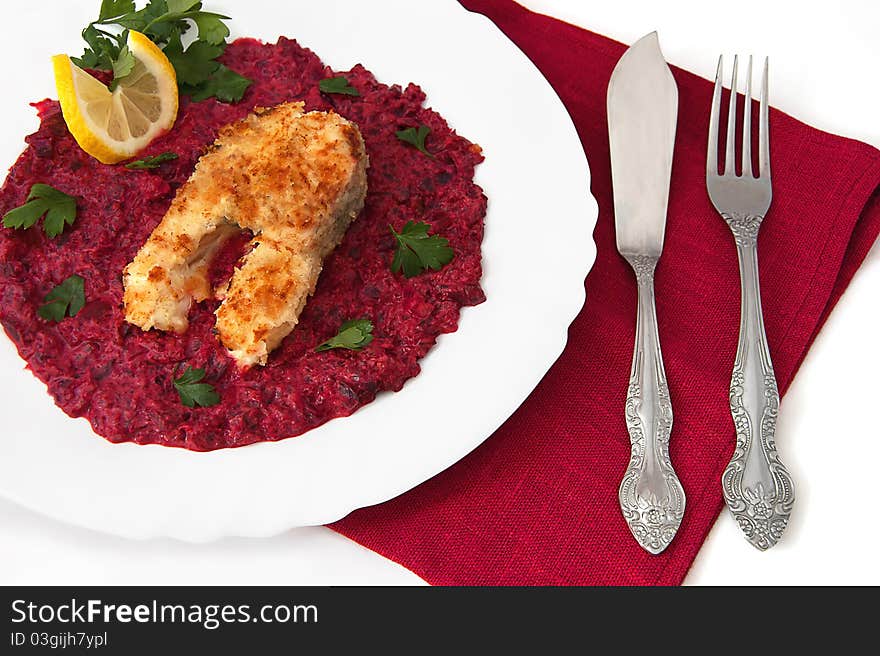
<point>757,487</point>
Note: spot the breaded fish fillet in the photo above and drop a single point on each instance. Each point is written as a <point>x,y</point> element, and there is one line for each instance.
<point>296,180</point>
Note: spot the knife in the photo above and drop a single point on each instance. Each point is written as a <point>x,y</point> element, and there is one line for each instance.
<point>642,113</point>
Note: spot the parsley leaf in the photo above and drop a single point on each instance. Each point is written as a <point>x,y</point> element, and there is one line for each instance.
<point>68,299</point>
<point>102,51</point>
<point>180,6</point>
<point>123,65</point>
<point>337,85</point>
<point>151,162</point>
<point>160,18</point>
<point>195,64</point>
<point>148,20</point>
<point>211,27</point>
<point>225,84</point>
<point>59,208</point>
<point>193,393</point>
<point>353,335</point>
<point>415,137</point>
<point>115,8</point>
<point>418,251</point>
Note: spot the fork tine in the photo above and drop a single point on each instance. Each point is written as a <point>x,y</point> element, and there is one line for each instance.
<point>712,153</point>
<point>764,127</point>
<point>730,156</point>
<point>747,125</point>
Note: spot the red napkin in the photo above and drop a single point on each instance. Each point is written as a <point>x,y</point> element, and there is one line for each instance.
<point>537,502</point>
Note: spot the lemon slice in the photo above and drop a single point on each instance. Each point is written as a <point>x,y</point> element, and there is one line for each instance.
<point>115,125</point>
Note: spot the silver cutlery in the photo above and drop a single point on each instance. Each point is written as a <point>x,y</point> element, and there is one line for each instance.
<point>757,487</point>
<point>642,114</point>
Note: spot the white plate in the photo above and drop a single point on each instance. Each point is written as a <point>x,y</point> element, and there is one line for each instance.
<point>536,254</point>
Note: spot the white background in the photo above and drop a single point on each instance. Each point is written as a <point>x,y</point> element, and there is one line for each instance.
<point>825,60</point>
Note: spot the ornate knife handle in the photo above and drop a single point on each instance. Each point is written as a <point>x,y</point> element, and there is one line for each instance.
<point>757,487</point>
<point>651,496</point>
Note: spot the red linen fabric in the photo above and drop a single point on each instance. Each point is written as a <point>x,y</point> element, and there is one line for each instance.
<point>537,502</point>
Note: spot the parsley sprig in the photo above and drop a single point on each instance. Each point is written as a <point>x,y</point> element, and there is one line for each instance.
<point>194,393</point>
<point>353,335</point>
<point>337,85</point>
<point>164,22</point>
<point>151,162</point>
<point>418,251</point>
<point>66,299</point>
<point>416,137</point>
<point>58,208</point>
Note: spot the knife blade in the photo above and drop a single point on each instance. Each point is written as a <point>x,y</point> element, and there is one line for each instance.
<point>642,114</point>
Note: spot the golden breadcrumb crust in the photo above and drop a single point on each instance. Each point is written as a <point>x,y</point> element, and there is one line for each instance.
<point>296,180</point>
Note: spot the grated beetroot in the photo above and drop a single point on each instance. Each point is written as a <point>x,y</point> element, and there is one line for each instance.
<point>97,366</point>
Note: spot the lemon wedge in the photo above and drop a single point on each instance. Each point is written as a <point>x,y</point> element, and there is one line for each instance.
<point>112,126</point>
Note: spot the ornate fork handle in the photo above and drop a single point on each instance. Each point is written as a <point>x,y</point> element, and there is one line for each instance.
<point>651,496</point>
<point>757,487</point>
